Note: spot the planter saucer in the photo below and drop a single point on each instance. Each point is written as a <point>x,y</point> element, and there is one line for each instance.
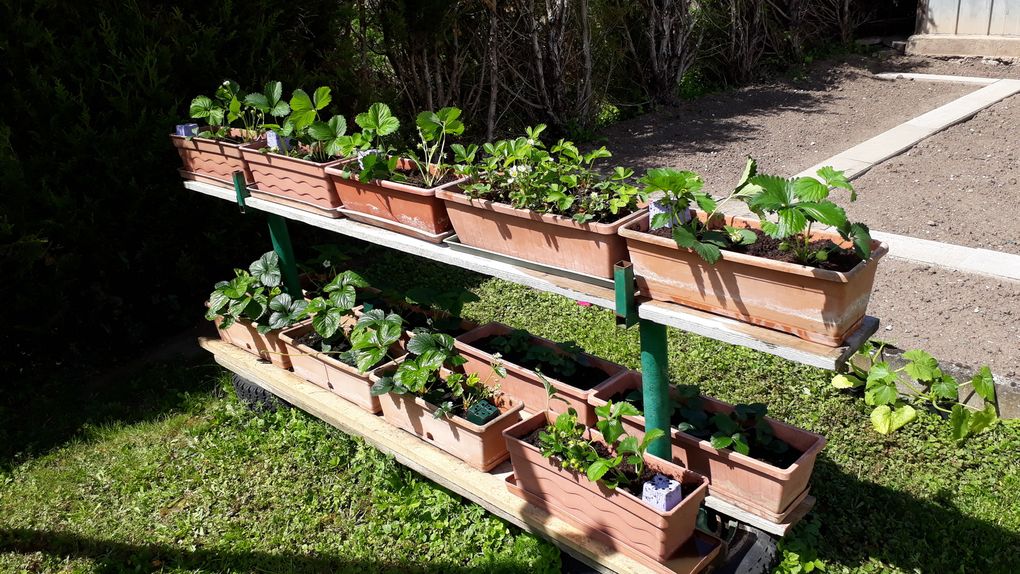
<point>742,503</point>
<point>454,243</point>
<point>695,555</point>
<point>295,203</point>
<point>394,226</point>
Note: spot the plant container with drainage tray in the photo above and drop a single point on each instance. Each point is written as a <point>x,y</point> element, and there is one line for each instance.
<point>549,239</point>
<point>756,486</point>
<point>818,305</point>
<point>329,373</point>
<point>480,445</point>
<point>244,335</point>
<point>525,384</point>
<point>209,160</point>
<point>622,518</point>
<point>291,181</point>
<point>400,207</point>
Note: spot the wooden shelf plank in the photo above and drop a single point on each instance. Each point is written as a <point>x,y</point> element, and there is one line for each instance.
<point>678,316</point>
<point>487,489</point>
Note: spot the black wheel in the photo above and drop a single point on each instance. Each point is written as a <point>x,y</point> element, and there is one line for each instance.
<point>255,397</point>
<point>750,551</point>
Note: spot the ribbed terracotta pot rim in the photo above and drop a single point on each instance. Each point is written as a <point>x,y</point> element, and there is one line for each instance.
<point>730,455</point>
<point>341,173</point>
<point>233,131</point>
<point>631,231</point>
<point>610,228</point>
<point>528,427</point>
<point>578,393</point>
<point>514,406</point>
<point>254,150</point>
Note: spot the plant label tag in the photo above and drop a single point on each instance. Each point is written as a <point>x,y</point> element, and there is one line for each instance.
<point>275,140</point>
<point>187,130</point>
<point>662,492</point>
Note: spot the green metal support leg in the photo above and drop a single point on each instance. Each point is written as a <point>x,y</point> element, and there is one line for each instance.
<point>655,384</point>
<point>281,244</point>
<point>654,368</point>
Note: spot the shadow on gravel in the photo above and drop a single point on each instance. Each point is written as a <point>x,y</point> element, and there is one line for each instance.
<point>115,557</point>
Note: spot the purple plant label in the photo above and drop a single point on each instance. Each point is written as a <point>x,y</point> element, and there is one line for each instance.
<point>275,140</point>
<point>662,493</point>
<point>187,130</point>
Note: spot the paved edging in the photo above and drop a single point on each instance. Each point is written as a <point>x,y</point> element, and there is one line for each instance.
<point>977,80</point>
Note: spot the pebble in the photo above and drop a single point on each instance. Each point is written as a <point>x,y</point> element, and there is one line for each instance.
<point>931,223</point>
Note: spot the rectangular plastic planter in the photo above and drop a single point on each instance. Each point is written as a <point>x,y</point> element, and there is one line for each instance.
<point>329,373</point>
<point>209,160</point>
<point>269,347</point>
<point>814,304</point>
<point>482,446</point>
<point>523,383</point>
<point>554,240</point>
<point>292,181</point>
<point>617,513</point>
<point>754,485</point>
<point>392,205</point>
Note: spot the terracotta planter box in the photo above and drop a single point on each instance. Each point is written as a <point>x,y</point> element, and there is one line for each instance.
<point>814,304</point>
<point>618,514</point>
<point>268,347</point>
<point>329,373</point>
<point>482,447</point>
<point>523,383</point>
<point>589,248</point>
<point>749,483</point>
<point>209,160</point>
<point>292,181</point>
<point>399,207</point>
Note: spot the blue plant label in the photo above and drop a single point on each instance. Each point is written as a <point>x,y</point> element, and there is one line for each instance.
<point>187,130</point>
<point>275,140</point>
<point>662,492</point>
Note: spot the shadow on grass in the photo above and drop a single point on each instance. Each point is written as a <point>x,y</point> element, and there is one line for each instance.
<point>116,557</point>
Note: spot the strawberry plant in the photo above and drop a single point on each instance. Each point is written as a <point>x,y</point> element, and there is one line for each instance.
<point>228,106</point>
<point>788,208</point>
<point>919,382</point>
<point>376,157</point>
<point>561,180</point>
<point>255,295</point>
<point>320,139</point>
<point>433,128</point>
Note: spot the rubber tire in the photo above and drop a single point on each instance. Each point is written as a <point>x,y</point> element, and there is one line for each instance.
<point>255,397</point>
<point>752,551</point>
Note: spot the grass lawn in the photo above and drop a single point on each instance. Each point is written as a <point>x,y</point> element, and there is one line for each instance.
<point>194,483</point>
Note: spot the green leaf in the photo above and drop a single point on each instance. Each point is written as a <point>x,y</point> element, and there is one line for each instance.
<point>257,101</point>
<point>922,366</point>
<point>740,444</point>
<point>720,442</point>
<point>824,212</point>
<point>791,222</point>
<point>945,387</point>
<point>382,386</point>
<point>266,269</point>
<point>344,298</point>
<point>846,382</point>
<point>597,470</point>
<point>660,220</point>
<point>886,419</point>
<point>322,97</point>
<point>629,444</point>
<point>303,112</point>
<point>810,189</point>
<point>776,193</point>
<point>981,420</point>
<point>959,420</point>
<point>984,384</point>
<point>326,324</point>
<point>836,178</point>
<point>378,119</point>
<point>201,107</point>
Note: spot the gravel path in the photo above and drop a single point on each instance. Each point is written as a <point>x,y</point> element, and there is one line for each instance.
<point>786,125</point>
<point>960,186</point>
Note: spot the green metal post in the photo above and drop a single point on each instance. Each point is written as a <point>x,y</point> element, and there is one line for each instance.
<point>655,384</point>
<point>241,189</point>
<point>623,281</point>
<point>281,245</point>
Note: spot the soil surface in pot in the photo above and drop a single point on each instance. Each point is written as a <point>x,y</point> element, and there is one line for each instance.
<point>413,319</point>
<point>778,460</point>
<point>443,394</point>
<point>584,377</point>
<point>314,340</point>
<point>498,195</point>
<point>840,259</point>
<point>413,177</point>
<point>636,484</point>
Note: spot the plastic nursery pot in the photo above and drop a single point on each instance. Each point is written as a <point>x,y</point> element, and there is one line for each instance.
<point>292,181</point>
<point>244,335</point>
<point>756,486</point>
<point>329,373</point>
<point>210,160</point>
<point>555,240</point>
<point>400,207</point>
<point>814,304</point>
<point>524,384</point>
<point>481,446</point>
<point>621,516</point>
